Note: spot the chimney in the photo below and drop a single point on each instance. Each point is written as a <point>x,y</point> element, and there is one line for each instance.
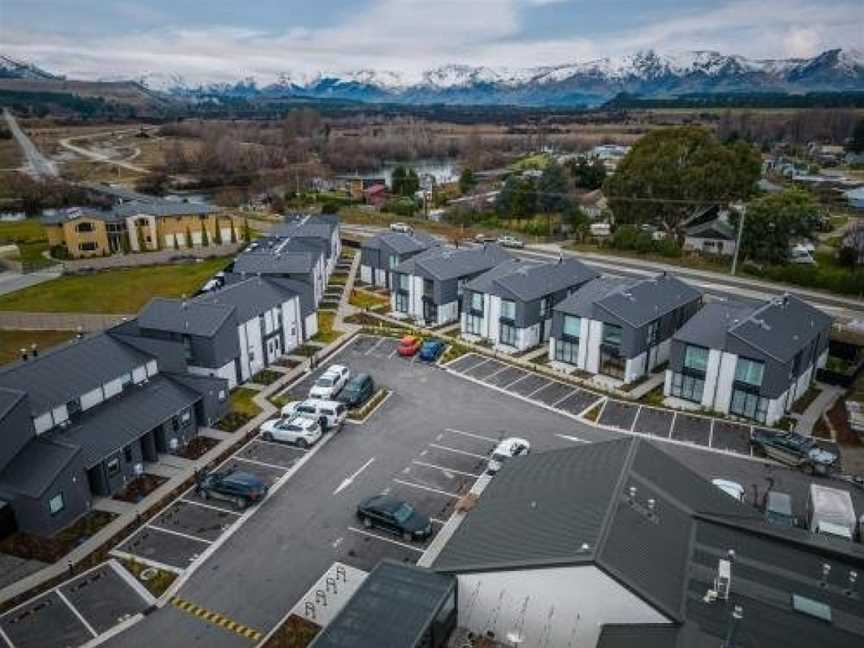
<point>34,350</point>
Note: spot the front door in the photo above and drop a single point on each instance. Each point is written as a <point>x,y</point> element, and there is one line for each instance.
<point>274,349</point>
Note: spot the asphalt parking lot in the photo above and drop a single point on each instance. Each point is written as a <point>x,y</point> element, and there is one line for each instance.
<point>77,611</point>
<point>427,444</point>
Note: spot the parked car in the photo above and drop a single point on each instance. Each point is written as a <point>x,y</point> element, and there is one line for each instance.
<point>431,349</point>
<point>329,414</point>
<point>401,227</point>
<point>778,510</point>
<point>330,382</point>
<point>508,241</point>
<point>299,430</point>
<point>801,255</point>
<point>358,390</point>
<point>242,489</point>
<point>731,488</point>
<point>506,450</point>
<point>794,450</point>
<point>408,346</point>
<point>394,516</point>
<point>484,238</point>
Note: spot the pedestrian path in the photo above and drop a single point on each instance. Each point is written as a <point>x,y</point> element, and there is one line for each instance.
<point>805,422</point>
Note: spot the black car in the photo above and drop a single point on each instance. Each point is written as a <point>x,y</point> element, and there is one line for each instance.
<point>242,489</point>
<point>394,516</point>
<point>357,391</point>
<point>795,450</point>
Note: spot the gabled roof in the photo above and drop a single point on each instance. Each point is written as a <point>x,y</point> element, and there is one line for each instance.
<point>582,301</point>
<point>305,226</point>
<point>165,208</point>
<point>708,327</point>
<point>303,290</point>
<point>60,216</point>
<point>444,263</point>
<point>716,229</point>
<point>278,256</point>
<point>781,327</point>
<point>247,298</point>
<point>36,466</point>
<point>69,370</point>
<point>401,242</point>
<point>195,317</point>
<point>527,280</point>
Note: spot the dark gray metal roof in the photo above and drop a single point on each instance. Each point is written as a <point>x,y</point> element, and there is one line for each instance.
<point>166,208</point>
<point>716,229</point>
<point>36,466</point>
<point>248,298</point>
<point>279,256</point>
<point>443,263</point>
<point>73,213</point>
<point>71,369</point>
<point>392,608</point>
<point>528,280</point>
<point>116,191</point>
<point>708,327</point>
<point>782,326</point>
<point>305,226</point>
<point>582,301</point>
<point>648,299</point>
<point>9,398</point>
<point>401,242</point>
<point>300,288</point>
<point>195,317</point>
<point>114,424</point>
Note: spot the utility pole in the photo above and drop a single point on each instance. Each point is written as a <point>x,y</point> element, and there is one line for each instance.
<point>738,241</point>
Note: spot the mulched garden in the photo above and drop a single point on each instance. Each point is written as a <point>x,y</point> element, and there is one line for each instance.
<point>198,447</point>
<point>139,488</point>
<point>266,377</point>
<point>296,632</point>
<point>32,547</point>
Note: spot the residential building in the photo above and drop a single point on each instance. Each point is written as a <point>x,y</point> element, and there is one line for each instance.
<point>618,544</point>
<point>398,605</point>
<point>749,360</point>
<point>511,304</point>
<point>709,230</point>
<point>138,226</point>
<point>232,333</point>
<point>323,230</point>
<point>594,204</point>
<point>83,419</point>
<point>381,254</point>
<point>376,195</point>
<point>620,328</point>
<point>428,286</point>
<point>286,258</point>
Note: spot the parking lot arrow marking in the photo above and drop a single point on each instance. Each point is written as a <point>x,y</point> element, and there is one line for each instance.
<point>572,438</point>
<point>350,478</point>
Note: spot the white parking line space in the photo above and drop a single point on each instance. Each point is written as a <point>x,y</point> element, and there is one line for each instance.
<point>472,435</point>
<point>404,545</point>
<point>261,463</point>
<point>208,506</point>
<point>426,488</point>
<point>444,469</point>
<point>462,452</point>
<point>75,611</point>
<point>179,534</point>
<point>259,439</point>
<point>374,346</point>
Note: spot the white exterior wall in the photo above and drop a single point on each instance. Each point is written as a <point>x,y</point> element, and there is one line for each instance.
<point>725,379</point>
<point>491,313</point>
<point>592,342</point>
<point>415,297</point>
<point>311,325</point>
<point>581,600</point>
<point>366,274</point>
<point>667,383</point>
<point>634,367</point>
<point>380,277</point>
<point>776,408</point>
<point>251,349</point>
<point>526,338</point>
<point>226,234</point>
<point>292,325</point>
<point>147,230</point>
<point>448,312</point>
<point>726,248</point>
<point>712,375</point>
<point>660,353</point>
<point>228,372</point>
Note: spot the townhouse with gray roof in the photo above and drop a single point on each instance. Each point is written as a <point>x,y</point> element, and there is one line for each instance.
<point>323,229</point>
<point>233,332</point>
<point>511,304</point>
<point>428,287</point>
<point>620,328</point>
<point>286,258</point>
<point>751,360</point>
<point>618,545</point>
<point>83,419</point>
<point>382,254</point>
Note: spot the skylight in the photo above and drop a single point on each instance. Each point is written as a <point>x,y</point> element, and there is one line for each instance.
<point>811,608</point>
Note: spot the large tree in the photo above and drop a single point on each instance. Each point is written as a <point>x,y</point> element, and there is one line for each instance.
<point>587,175</point>
<point>856,144</point>
<point>552,189</point>
<point>672,171</point>
<point>772,222</point>
<point>404,181</point>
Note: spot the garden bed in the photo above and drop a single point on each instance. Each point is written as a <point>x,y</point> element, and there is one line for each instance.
<point>139,488</point>
<point>49,550</point>
<point>266,377</point>
<point>594,413</point>
<point>360,413</point>
<point>156,581</point>
<point>326,333</point>
<point>243,410</point>
<point>289,363</point>
<point>295,632</point>
<point>198,447</point>
<point>306,350</point>
<point>806,400</point>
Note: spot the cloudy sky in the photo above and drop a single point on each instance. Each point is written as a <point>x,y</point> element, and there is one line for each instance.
<point>211,40</point>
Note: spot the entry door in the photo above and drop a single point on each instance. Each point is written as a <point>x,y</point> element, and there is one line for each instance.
<point>274,349</point>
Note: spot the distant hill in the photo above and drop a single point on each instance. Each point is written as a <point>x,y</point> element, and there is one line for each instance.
<point>12,69</point>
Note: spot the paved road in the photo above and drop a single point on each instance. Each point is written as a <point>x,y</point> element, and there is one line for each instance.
<point>39,165</point>
<point>713,283</point>
<point>13,281</point>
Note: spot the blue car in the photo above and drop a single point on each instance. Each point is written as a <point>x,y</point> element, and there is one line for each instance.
<point>431,350</point>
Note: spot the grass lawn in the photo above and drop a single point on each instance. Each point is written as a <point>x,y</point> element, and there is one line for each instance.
<point>11,342</point>
<point>157,581</point>
<point>112,291</point>
<point>326,333</point>
<point>28,230</point>
<point>241,402</point>
<point>367,300</point>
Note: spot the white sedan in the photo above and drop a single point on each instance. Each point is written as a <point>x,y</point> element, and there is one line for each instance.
<point>401,227</point>
<point>330,382</point>
<point>506,450</point>
<point>299,430</point>
<point>508,241</point>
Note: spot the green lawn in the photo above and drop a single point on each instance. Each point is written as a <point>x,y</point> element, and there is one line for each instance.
<point>326,333</point>
<point>367,300</point>
<point>27,230</point>
<point>241,402</point>
<point>112,291</point>
<point>11,342</point>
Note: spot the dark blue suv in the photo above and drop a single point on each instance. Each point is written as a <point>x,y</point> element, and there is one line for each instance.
<point>242,489</point>
<point>431,350</point>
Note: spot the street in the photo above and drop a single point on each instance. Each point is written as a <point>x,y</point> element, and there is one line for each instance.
<point>39,165</point>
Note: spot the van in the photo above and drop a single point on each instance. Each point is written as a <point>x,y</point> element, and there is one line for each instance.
<point>358,390</point>
<point>330,414</point>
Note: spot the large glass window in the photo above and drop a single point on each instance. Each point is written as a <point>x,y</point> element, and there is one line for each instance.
<point>687,387</point>
<point>696,357</point>
<point>473,324</point>
<point>572,326</point>
<point>477,301</point>
<point>401,302</point>
<point>749,405</point>
<point>84,227</point>
<point>749,371</point>
<point>566,351</point>
<point>87,246</point>
<point>427,287</point>
<point>393,261</point>
<point>508,335</point>
<point>611,335</point>
<point>404,280</point>
<point>508,309</point>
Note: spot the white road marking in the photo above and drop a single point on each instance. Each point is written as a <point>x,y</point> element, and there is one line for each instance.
<point>471,434</point>
<point>549,382</point>
<point>635,418</point>
<point>427,488</point>
<point>259,439</point>
<point>350,479</point>
<point>131,581</point>
<point>445,470</point>
<point>570,437</point>
<point>561,400</point>
<point>6,638</point>
<point>393,352</point>
<point>77,613</point>
<point>117,553</point>
<point>510,384</point>
<point>262,463</point>
<point>495,373</point>
<point>179,533</point>
<point>209,506</point>
<point>374,346</point>
<point>337,542</point>
<point>462,452</point>
<point>383,539</point>
<point>437,521</point>
<point>711,432</point>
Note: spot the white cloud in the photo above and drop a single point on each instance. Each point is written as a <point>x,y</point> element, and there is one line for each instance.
<point>801,42</point>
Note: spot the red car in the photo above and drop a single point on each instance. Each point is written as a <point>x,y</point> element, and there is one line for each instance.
<point>408,346</point>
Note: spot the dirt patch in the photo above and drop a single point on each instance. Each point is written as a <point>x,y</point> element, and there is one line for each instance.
<point>198,447</point>
<point>32,547</point>
<point>139,488</point>
<point>295,632</point>
<point>840,420</point>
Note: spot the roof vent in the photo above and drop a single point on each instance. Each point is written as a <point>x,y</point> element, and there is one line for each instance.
<point>853,578</point>
<point>723,579</point>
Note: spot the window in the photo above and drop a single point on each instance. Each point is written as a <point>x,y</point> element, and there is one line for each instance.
<point>87,246</point>
<point>572,326</point>
<point>56,504</point>
<point>749,405</point>
<point>113,466</point>
<point>403,282</point>
<point>84,227</point>
<point>566,351</point>
<point>427,287</point>
<point>473,324</point>
<point>127,454</point>
<point>477,302</point>
<point>508,334</point>
<point>688,387</point>
<point>393,261</point>
<point>612,364</point>
<point>611,335</point>
<point>696,358</point>
<point>222,395</point>
<point>401,302</point>
<point>749,372</point>
<point>508,309</point>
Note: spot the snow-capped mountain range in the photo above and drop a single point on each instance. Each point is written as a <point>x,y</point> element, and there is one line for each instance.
<point>647,73</point>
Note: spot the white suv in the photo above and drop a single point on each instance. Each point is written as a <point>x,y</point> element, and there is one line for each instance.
<point>299,430</point>
<point>329,414</point>
<point>401,227</point>
<point>330,382</point>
